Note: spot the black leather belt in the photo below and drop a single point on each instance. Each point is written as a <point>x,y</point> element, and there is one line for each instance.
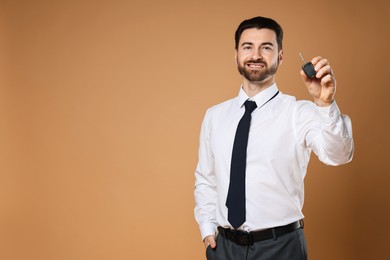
<point>248,238</point>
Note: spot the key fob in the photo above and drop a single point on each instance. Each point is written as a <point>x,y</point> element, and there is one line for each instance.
<point>308,68</point>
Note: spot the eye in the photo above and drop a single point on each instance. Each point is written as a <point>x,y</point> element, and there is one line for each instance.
<point>247,47</point>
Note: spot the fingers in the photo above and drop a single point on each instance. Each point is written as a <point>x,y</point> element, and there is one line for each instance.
<point>328,81</point>
<point>324,71</point>
<point>315,60</point>
<point>322,67</point>
<point>210,241</point>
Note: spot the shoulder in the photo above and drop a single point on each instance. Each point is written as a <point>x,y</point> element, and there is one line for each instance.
<point>299,104</point>
<point>286,98</point>
<point>285,101</point>
<point>298,108</point>
<point>221,107</point>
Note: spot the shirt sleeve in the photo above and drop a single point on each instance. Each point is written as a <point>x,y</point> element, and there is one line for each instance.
<point>326,131</point>
<point>205,184</point>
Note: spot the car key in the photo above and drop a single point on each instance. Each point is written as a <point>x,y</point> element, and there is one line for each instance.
<point>308,68</point>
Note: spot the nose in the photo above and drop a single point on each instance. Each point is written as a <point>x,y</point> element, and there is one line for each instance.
<point>256,54</point>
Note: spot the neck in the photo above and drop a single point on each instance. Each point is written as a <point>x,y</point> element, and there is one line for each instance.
<point>253,88</point>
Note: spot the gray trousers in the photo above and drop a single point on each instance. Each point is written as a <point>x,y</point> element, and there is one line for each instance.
<point>291,246</point>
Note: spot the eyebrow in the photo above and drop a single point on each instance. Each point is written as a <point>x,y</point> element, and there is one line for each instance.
<point>264,43</point>
<point>246,43</point>
<point>267,43</point>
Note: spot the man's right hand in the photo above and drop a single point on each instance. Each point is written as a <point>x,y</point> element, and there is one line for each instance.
<point>210,240</point>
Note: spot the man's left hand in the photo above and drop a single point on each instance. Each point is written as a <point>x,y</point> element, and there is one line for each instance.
<point>323,86</point>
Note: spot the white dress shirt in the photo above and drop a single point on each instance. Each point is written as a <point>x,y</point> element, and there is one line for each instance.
<point>282,135</point>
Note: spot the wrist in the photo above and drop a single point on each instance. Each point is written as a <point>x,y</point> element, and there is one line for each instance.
<point>322,103</point>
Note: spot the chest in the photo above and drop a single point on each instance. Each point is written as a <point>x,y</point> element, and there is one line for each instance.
<point>271,131</point>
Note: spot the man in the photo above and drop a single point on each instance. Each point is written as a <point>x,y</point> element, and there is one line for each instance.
<point>249,185</point>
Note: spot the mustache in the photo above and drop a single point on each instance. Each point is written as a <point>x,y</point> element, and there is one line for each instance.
<point>258,61</point>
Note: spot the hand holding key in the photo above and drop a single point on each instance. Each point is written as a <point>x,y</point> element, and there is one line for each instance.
<point>319,80</point>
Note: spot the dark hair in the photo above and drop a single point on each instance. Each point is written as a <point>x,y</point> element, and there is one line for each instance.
<point>260,23</point>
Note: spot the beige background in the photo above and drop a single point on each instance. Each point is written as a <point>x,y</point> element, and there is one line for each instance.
<point>100,110</point>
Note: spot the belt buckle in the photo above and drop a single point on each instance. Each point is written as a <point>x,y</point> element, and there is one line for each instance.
<point>251,241</point>
<point>244,238</point>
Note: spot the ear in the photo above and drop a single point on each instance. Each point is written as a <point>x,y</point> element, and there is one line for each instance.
<point>280,56</point>
<point>235,56</point>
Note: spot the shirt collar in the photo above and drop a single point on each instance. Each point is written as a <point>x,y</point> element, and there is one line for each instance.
<point>260,98</point>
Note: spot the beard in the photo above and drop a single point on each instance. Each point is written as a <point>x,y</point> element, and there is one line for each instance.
<point>257,75</point>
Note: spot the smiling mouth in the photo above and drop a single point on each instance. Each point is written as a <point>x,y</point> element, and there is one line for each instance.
<point>255,65</point>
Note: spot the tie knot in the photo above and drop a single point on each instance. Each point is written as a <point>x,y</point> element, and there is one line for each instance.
<point>250,106</point>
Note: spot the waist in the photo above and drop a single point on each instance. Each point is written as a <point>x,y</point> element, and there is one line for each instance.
<point>248,238</point>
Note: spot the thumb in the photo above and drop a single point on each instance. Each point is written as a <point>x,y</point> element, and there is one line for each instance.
<point>210,240</point>
<point>213,244</point>
<point>304,77</point>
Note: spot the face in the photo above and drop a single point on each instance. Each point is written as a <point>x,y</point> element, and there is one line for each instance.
<point>257,55</point>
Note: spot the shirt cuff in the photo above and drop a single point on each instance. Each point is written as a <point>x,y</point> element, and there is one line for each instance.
<point>332,112</point>
<point>207,230</point>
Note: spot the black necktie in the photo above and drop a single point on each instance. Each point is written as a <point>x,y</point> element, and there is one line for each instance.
<point>235,201</point>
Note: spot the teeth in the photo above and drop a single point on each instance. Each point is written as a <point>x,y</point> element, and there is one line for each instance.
<point>255,65</point>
